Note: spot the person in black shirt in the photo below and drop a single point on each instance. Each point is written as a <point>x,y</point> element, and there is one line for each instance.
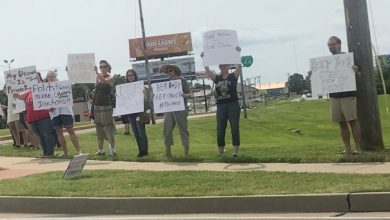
<point>228,107</point>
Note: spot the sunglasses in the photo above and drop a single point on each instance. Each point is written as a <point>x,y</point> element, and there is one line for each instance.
<point>101,67</point>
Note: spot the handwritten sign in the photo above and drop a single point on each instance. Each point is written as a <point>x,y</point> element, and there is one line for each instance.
<point>219,47</point>
<point>81,68</point>
<point>76,166</point>
<point>167,96</point>
<point>21,79</point>
<point>129,98</point>
<point>52,95</point>
<point>332,74</point>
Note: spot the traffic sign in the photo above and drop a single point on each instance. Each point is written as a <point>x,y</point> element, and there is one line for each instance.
<point>247,61</point>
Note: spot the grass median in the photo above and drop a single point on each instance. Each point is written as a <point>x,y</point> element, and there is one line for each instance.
<point>115,183</point>
<point>283,131</point>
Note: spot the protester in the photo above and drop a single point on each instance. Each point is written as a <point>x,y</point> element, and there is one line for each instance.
<point>344,109</point>
<point>18,131</point>
<point>39,121</point>
<point>135,119</point>
<point>105,128</point>
<point>177,117</point>
<point>62,117</point>
<point>228,107</point>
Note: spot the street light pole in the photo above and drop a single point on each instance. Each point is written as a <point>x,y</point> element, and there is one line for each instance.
<point>147,65</point>
<point>9,63</point>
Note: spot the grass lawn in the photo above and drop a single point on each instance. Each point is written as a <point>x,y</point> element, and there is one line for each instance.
<point>266,136</point>
<point>190,183</point>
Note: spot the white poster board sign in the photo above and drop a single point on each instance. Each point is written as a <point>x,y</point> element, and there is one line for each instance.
<point>219,47</point>
<point>81,68</point>
<point>168,96</point>
<point>20,80</point>
<point>76,166</point>
<point>332,74</point>
<point>20,106</point>
<point>129,98</point>
<point>52,95</point>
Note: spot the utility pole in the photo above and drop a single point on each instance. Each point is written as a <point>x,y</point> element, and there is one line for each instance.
<point>359,42</point>
<point>150,91</point>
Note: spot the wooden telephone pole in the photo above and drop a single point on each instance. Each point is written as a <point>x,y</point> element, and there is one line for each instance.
<point>359,42</point>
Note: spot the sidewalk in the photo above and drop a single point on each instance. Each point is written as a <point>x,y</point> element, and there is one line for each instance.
<point>23,166</point>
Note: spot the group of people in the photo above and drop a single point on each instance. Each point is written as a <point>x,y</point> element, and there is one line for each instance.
<point>42,122</point>
<point>40,128</point>
<point>228,109</point>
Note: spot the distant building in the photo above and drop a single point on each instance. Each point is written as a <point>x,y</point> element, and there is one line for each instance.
<point>274,89</point>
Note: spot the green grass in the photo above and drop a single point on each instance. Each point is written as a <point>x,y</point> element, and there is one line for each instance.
<point>266,136</point>
<point>191,183</point>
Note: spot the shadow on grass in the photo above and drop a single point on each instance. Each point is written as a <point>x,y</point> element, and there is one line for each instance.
<point>82,176</point>
<point>366,156</point>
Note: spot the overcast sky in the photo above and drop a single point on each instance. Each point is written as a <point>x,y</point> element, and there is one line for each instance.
<point>281,35</point>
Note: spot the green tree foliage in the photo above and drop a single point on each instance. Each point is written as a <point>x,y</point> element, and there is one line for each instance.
<point>379,84</point>
<point>200,86</point>
<point>118,79</point>
<point>296,83</point>
<point>80,90</point>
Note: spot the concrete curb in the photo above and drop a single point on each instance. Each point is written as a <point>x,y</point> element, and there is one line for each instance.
<point>179,205</point>
<point>370,202</point>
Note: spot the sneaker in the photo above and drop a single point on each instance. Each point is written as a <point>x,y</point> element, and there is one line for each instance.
<point>100,153</point>
<point>111,151</point>
<point>356,152</point>
<point>63,156</point>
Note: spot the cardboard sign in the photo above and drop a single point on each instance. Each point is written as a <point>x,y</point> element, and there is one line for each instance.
<point>20,106</point>
<point>52,95</point>
<point>129,98</point>
<point>219,47</point>
<point>167,96</point>
<point>332,74</point>
<point>76,166</point>
<point>20,80</point>
<point>81,68</point>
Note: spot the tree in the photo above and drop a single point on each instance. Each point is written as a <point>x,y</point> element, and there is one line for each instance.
<point>118,79</point>
<point>379,83</point>
<point>200,86</point>
<point>296,83</point>
<point>307,83</point>
<point>80,90</point>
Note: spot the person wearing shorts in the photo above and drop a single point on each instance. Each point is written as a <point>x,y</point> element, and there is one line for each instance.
<point>344,108</point>
<point>62,117</point>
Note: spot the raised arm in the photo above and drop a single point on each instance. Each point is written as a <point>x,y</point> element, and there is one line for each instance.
<point>238,71</point>
<point>21,96</point>
<point>210,74</point>
<point>104,80</point>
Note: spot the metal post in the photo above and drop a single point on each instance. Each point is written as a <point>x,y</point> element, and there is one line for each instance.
<point>243,95</point>
<point>205,97</point>
<point>147,65</point>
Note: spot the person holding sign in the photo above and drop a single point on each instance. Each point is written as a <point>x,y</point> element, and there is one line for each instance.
<point>62,117</point>
<point>228,107</point>
<point>135,119</point>
<point>105,128</point>
<point>343,105</point>
<point>39,121</point>
<point>177,117</point>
